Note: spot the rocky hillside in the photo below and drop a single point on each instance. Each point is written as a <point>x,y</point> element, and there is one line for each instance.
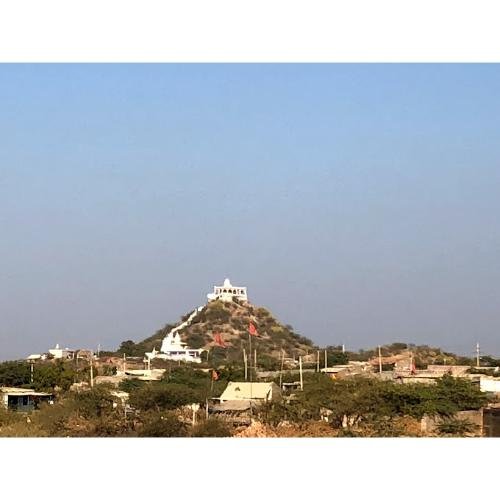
<point>231,320</point>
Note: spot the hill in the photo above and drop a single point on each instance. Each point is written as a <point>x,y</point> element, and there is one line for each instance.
<point>231,320</point>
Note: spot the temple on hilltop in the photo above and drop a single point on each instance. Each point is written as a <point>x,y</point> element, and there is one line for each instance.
<point>227,292</point>
<point>172,348</point>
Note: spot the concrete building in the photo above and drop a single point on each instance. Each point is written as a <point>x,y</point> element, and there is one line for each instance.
<point>453,370</point>
<point>341,371</point>
<point>15,398</point>
<point>59,353</point>
<point>227,292</point>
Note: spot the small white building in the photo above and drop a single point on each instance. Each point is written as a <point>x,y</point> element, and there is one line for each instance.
<point>59,353</point>
<point>227,292</point>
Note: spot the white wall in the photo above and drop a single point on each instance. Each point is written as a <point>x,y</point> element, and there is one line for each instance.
<point>489,384</point>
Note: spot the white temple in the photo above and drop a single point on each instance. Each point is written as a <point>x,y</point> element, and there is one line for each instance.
<point>172,348</point>
<point>227,292</point>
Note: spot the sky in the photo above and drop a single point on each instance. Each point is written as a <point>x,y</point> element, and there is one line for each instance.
<point>357,202</point>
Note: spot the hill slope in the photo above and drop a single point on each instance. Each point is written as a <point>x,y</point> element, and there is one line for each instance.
<point>231,320</point>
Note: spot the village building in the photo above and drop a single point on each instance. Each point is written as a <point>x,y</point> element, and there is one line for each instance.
<point>227,292</point>
<point>36,357</point>
<point>453,370</point>
<point>239,399</point>
<point>341,371</point>
<point>251,391</point>
<point>16,398</point>
<point>353,368</point>
<point>59,353</point>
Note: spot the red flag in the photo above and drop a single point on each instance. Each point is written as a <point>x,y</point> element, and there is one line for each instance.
<point>215,375</point>
<point>219,340</point>
<point>252,330</point>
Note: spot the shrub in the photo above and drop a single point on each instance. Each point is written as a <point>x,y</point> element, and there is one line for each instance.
<point>456,427</point>
<point>163,426</point>
<point>211,428</point>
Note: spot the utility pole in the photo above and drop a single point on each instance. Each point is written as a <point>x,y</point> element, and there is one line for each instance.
<point>477,355</point>
<point>379,360</point>
<point>281,368</point>
<point>31,371</point>
<point>326,360</point>
<point>343,348</point>
<point>317,362</point>
<point>91,369</point>
<point>300,370</point>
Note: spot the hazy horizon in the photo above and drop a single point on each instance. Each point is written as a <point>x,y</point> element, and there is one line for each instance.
<point>358,202</point>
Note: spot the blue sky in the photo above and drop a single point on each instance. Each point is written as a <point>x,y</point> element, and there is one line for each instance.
<point>359,203</point>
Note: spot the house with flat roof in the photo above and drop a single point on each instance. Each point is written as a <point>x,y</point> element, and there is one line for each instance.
<point>16,398</point>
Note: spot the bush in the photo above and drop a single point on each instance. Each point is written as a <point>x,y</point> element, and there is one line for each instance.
<point>211,428</point>
<point>93,403</point>
<point>456,427</point>
<point>163,426</point>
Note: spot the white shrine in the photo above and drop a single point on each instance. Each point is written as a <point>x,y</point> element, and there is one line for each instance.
<point>173,349</point>
<point>227,292</point>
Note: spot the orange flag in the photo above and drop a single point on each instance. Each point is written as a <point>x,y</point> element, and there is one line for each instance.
<point>219,340</point>
<point>252,330</point>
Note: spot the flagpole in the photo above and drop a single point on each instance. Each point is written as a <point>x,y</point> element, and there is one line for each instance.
<point>250,348</point>
<point>246,365</point>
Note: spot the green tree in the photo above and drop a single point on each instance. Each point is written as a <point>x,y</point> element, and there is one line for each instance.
<point>47,376</point>
<point>130,348</point>
<point>163,397</point>
<point>14,373</point>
